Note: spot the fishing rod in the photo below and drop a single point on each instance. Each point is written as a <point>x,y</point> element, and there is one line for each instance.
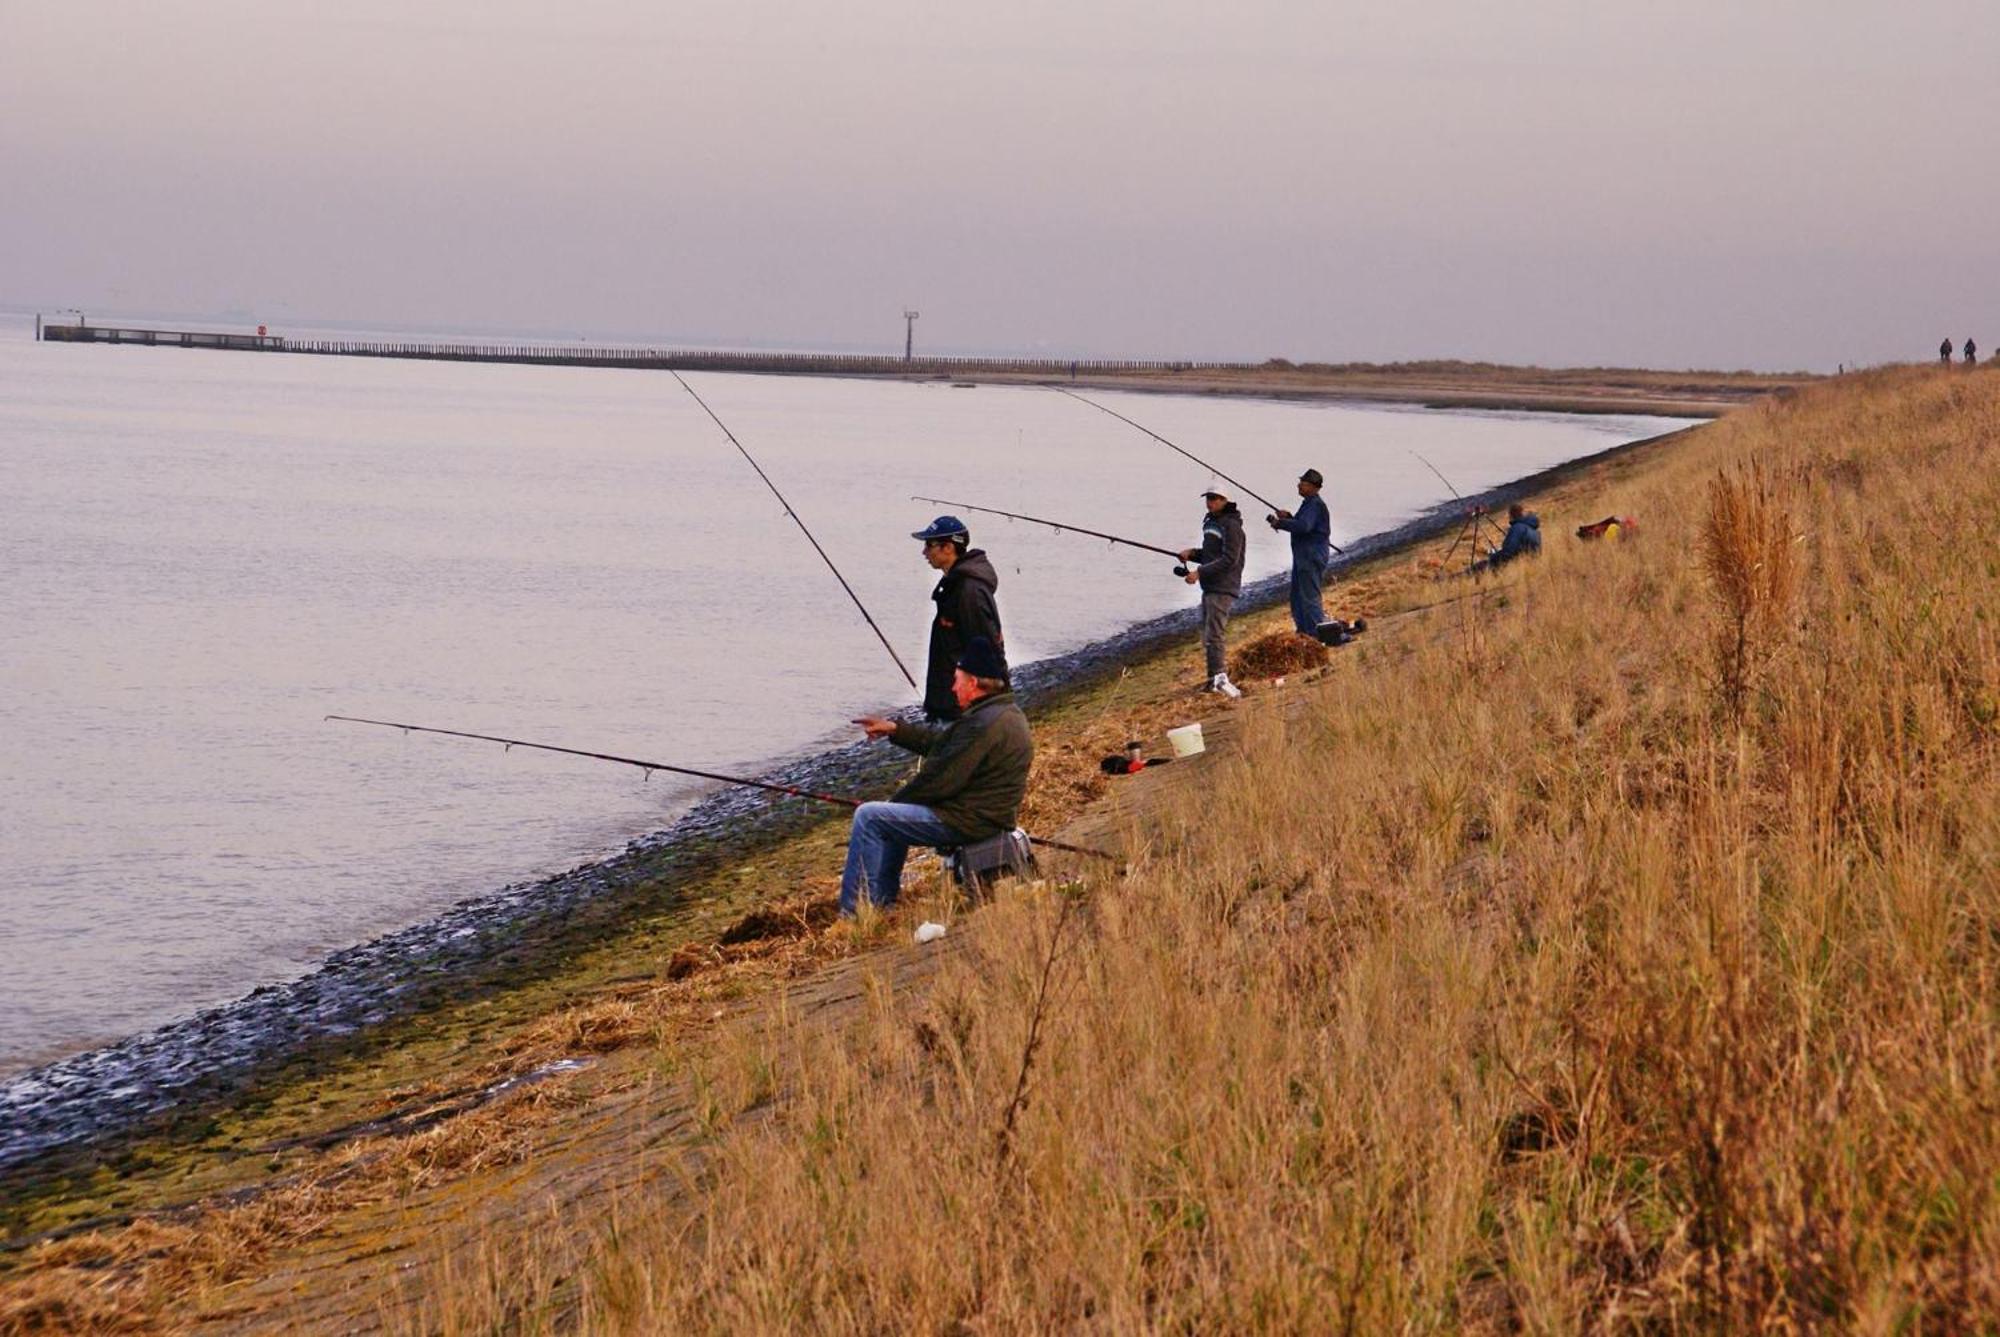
<point>1190,454</point>
<point>1439,472</point>
<point>1056,525</point>
<point>1472,510</point>
<point>794,515</point>
<point>1163,441</point>
<point>650,766</point>
<point>1469,532</point>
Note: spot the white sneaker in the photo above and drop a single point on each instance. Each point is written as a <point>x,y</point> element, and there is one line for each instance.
<point>1221,683</point>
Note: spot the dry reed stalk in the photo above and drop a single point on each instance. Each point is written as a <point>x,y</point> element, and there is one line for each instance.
<point>1748,550</point>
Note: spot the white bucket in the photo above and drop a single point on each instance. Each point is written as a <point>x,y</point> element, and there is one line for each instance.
<point>1186,740</point>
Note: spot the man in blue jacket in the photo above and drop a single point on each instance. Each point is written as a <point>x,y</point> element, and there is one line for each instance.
<point>1312,534</point>
<point>1524,536</point>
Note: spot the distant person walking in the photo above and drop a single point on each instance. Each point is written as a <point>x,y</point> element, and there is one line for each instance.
<point>1312,533</point>
<point>1218,565</point>
<point>966,608</point>
<point>1944,353</point>
<point>1971,353</point>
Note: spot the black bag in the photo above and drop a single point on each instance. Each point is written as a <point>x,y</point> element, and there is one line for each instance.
<point>986,861</point>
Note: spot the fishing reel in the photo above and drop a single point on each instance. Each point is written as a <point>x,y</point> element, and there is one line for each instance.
<point>1181,571</point>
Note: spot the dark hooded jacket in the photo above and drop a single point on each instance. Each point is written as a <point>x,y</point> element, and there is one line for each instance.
<point>965,608</point>
<point>975,769</point>
<point>1221,556</point>
<point>1523,536</point>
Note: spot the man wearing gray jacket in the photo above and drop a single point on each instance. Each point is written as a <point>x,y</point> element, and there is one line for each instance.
<point>1217,565</point>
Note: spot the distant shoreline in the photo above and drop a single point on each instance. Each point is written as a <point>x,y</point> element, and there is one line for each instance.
<point>1446,385</point>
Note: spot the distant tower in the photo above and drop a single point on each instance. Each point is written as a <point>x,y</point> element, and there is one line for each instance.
<point>909,332</point>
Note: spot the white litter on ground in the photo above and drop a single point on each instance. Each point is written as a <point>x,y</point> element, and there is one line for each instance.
<point>929,932</point>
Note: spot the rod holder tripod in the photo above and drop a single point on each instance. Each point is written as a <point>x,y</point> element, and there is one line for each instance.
<point>1477,521</point>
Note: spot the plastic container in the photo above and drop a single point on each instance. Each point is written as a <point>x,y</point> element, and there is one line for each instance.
<point>1186,740</point>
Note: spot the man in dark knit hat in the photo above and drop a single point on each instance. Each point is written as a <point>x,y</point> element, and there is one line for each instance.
<point>965,607</point>
<point>974,774</point>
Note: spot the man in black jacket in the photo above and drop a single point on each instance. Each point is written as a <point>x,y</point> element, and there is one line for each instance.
<point>1218,565</point>
<point>974,774</point>
<point>966,608</point>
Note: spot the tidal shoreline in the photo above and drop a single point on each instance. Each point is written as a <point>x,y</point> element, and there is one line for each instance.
<point>487,943</point>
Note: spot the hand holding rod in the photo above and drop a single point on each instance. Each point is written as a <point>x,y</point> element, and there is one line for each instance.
<point>650,766</point>
<point>794,516</point>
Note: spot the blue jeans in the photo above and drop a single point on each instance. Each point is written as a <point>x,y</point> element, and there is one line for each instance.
<point>1307,613</point>
<point>881,837</point>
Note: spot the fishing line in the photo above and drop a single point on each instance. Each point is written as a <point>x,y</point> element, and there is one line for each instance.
<point>794,516</point>
<point>1265,501</point>
<point>650,766</point>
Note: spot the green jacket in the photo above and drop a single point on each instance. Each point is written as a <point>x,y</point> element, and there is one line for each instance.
<point>975,768</point>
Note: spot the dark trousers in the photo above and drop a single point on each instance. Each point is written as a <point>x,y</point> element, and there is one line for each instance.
<point>1307,611</point>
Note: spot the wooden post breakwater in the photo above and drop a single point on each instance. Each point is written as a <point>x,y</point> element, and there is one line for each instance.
<point>657,359</point>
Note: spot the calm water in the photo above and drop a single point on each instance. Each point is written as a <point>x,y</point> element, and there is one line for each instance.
<point>201,554</point>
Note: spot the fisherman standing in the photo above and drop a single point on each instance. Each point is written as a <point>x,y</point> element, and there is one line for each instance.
<point>965,608</point>
<point>1312,533</point>
<point>1218,566</point>
<point>969,787</point>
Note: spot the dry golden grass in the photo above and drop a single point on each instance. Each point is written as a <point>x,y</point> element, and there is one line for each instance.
<point>1564,1001</point>
<point>1276,655</point>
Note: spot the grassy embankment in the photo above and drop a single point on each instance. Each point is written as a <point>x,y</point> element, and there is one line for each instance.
<point>1612,970</point>
<point>1625,952</point>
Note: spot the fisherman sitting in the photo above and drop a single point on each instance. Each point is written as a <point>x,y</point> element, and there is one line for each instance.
<point>1524,535</point>
<point>969,788</point>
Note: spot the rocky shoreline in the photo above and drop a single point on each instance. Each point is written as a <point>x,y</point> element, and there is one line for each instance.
<point>151,1079</point>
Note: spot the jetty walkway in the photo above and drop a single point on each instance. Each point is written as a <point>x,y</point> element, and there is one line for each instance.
<point>655,359</point>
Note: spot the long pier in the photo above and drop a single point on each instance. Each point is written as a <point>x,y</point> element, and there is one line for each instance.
<point>656,359</point>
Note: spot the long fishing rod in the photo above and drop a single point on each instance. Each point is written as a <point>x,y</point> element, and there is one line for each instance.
<point>650,766</point>
<point>1188,453</point>
<point>1476,510</point>
<point>1469,532</point>
<point>1056,525</point>
<point>794,515</point>
<point>1439,472</point>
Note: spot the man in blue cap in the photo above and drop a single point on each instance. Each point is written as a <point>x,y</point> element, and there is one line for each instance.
<point>1312,533</point>
<point>966,608</point>
<point>969,787</point>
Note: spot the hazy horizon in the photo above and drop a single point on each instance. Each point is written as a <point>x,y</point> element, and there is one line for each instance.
<point>1789,188</point>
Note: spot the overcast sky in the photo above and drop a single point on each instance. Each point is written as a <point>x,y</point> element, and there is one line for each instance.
<point>1763,183</point>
